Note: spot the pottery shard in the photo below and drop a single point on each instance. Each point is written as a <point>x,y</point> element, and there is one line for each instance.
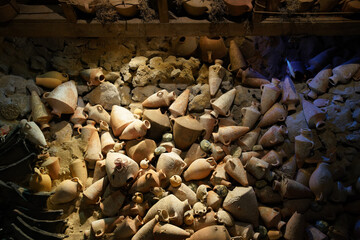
<point>201,101</point>
<point>137,62</point>
<point>144,76</point>
<point>61,131</point>
<point>139,94</point>
<point>106,94</point>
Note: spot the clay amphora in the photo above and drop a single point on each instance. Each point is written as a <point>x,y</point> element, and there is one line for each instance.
<point>165,231</point>
<point>104,225</point>
<point>174,207</point>
<point>200,169</point>
<point>274,136</point>
<point>93,150</point>
<point>159,123</point>
<point>303,176</point>
<point>276,113</point>
<point>78,170</point>
<point>127,228</point>
<point>79,117</point>
<point>120,118</point>
<point>126,8</point>
<point>251,78</point>
<point>196,8</point>
<point>340,192</point>
<point>236,8</point>
<point>39,181</point>
<point>289,95</point>
<point>320,83</point>
<point>223,217</point>
<point>184,192</point>
<point>271,217</point>
<point>194,152</point>
<point>120,169</point>
<point>93,193</point>
<point>237,199</point>
<point>257,167</point>
<point>221,105</point>
<point>227,134</point>
<point>39,113</point>
<point>314,233</point>
<point>250,115</point>
<point>291,189</point>
<point>266,195</point>
<point>146,231</point>
<point>52,164</point>
<point>314,116</point>
<point>295,227</point>
<point>217,151</point>
<point>303,146</point>
<point>208,122</point>
<point>216,232</point>
<point>51,79</point>
<point>244,230</point>
<point>135,130</point>
<point>246,156</point>
<point>214,201</point>
<point>97,113</point>
<point>63,99</point>
<point>219,176</point>
<point>216,75</point>
<point>321,182</point>
<point>212,48</point>
<point>344,72</point>
<point>179,106</point>
<point>112,203</point>
<point>269,94</point>
<point>148,180</point>
<point>87,131</point>
<point>66,191</point>
<point>171,164</point>
<point>321,60</point>
<point>184,46</point>
<point>289,168</point>
<point>204,221</point>
<point>133,209</point>
<point>33,133</point>
<point>107,142</point>
<point>274,158</point>
<point>99,170</point>
<point>161,98</point>
<point>227,121</point>
<point>237,60</point>
<point>186,131</point>
<point>93,76</point>
<point>296,69</point>
<point>235,169</point>
<point>139,150</point>
<point>290,206</point>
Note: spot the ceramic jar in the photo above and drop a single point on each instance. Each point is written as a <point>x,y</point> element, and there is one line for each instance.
<point>66,191</point>
<point>269,94</point>
<point>160,123</point>
<point>51,79</point>
<point>179,106</point>
<point>216,75</point>
<point>52,164</point>
<point>212,48</point>
<point>184,46</point>
<point>221,105</point>
<point>274,136</point>
<point>236,8</point>
<point>171,163</point>
<point>200,169</point>
<point>251,78</point>
<point>314,116</point>
<point>321,182</point>
<point>93,76</point>
<point>276,113</point>
<point>135,130</point>
<point>208,122</point>
<point>320,83</point>
<point>97,113</point>
<point>237,60</point>
<point>161,98</point>
<point>250,115</point>
<point>40,182</point>
<point>79,117</point>
<point>289,95</point>
<point>119,119</point>
<point>186,131</point>
<point>303,146</point>
<point>39,113</point>
<point>33,133</point>
<point>227,134</point>
<point>139,150</point>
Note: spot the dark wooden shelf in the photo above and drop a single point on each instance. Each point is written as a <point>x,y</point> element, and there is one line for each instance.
<point>43,21</point>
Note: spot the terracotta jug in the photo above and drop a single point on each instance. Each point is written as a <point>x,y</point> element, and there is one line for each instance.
<point>120,118</point>
<point>52,164</point>
<point>251,78</point>
<point>200,169</point>
<point>97,113</point>
<point>245,156</point>
<point>128,227</point>
<point>184,46</point>
<point>168,231</point>
<point>214,201</point>
<point>216,232</point>
<point>217,151</point>
<point>139,150</point>
<point>135,130</point>
<point>248,141</point>
<point>39,181</point>
<point>160,123</point>
<point>161,98</point>
<point>344,72</point>
<point>149,179</point>
<point>126,8</point>
<point>146,231</point>
<point>63,99</point>
<point>274,136</point>
<point>303,146</point>
<point>93,76</point>
<point>235,169</point>
<point>79,117</point>
<point>303,176</point>
<point>271,217</point>
<point>242,196</point>
<point>236,8</point>
<point>78,170</point>
<point>93,150</point>
<point>66,191</point>
<point>133,209</point>
<point>99,170</point>
<point>39,113</point>
<point>171,164</point>
<point>314,116</point>
<point>107,142</point>
<point>227,134</point>
<point>318,62</point>
<point>276,113</point>
<point>289,95</point>
<point>274,158</point>
<point>223,217</point>
<point>219,176</point>
<point>184,192</point>
<point>196,8</point>
<point>104,225</point>
<point>291,189</point>
<point>216,75</point>
<point>320,83</point>
<point>87,131</point>
<point>33,133</point>
<point>194,152</point>
<point>295,227</point>
<point>120,169</point>
<point>111,205</point>
<point>179,106</point>
<point>237,60</point>
<point>212,48</point>
<point>186,131</point>
<point>51,79</point>
<point>93,193</point>
<point>269,94</point>
<point>221,105</point>
<point>321,182</point>
<point>289,167</point>
<point>257,167</point>
<point>250,115</point>
<point>208,122</point>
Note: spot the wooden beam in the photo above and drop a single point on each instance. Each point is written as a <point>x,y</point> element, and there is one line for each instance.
<point>163,11</point>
